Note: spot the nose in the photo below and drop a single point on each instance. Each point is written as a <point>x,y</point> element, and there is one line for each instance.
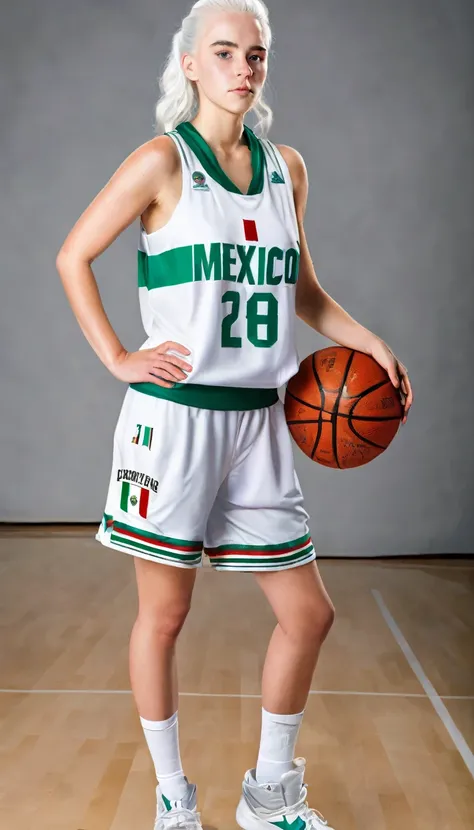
<point>244,69</point>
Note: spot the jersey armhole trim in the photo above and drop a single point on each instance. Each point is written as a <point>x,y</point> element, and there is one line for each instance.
<point>275,155</point>
<point>178,140</point>
<point>272,153</point>
<point>184,179</point>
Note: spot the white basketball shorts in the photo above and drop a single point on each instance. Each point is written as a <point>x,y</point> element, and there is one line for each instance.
<point>186,479</point>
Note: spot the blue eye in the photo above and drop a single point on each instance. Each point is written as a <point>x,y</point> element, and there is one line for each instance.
<point>259,58</point>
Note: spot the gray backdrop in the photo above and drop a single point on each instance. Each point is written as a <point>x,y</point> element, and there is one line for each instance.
<point>378,98</point>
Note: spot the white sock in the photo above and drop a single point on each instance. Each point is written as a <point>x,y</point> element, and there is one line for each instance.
<point>277,745</point>
<point>163,743</point>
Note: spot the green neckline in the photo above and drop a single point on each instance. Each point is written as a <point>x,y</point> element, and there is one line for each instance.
<point>208,159</point>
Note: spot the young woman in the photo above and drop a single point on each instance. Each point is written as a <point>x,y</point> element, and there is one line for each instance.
<point>202,457</point>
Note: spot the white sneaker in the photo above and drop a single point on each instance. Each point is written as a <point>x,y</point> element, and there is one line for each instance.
<point>180,814</point>
<point>282,805</point>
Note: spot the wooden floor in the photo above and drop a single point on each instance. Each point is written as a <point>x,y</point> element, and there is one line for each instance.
<point>388,732</point>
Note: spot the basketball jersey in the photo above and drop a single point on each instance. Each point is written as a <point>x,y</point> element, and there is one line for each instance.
<point>220,276</point>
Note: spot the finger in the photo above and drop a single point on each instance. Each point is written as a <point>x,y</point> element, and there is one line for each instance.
<point>404,381</point>
<point>407,407</point>
<point>400,374</point>
<point>408,389</point>
<point>168,372</point>
<point>160,381</point>
<point>171,358</point>
<point>170,344</point>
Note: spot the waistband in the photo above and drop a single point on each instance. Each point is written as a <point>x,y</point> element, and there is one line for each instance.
<point>211,397</point>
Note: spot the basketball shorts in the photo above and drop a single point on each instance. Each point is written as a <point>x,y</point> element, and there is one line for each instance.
<point>186,480</point>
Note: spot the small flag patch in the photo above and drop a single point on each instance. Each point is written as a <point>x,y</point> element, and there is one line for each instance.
<point>250,230</point>
<point>143,436</point>
<point>134,499</point>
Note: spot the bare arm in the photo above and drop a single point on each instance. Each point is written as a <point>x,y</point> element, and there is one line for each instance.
<point>126,195</point>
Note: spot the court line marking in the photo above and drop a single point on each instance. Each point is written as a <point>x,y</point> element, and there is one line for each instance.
<point>435,699</point>
<point>211,694</point>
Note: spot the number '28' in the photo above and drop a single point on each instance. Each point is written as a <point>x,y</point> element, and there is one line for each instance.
<point>261,315</point>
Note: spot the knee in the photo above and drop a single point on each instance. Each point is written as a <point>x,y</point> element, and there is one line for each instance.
<point>163,623</point>
<point>327,619</point>
<point>316,621</point>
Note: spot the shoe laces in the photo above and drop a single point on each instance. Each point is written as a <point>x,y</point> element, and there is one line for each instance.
<point>313,818</point>
<point>179,817</point>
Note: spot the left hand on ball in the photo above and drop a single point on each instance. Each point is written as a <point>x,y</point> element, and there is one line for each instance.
<point>397,373</point>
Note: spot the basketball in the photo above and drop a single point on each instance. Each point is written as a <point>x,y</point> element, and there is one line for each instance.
<point>342,408</point>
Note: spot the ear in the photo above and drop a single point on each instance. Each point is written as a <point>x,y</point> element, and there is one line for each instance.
<point>188,65</point>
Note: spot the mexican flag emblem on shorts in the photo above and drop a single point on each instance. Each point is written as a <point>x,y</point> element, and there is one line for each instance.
<point>134,499</point>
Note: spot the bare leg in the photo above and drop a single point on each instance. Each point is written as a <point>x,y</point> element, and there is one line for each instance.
<point>164,596</point>
<point>305,614</point>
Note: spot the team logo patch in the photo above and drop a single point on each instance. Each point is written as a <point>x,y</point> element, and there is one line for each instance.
<point>276,178</point>
<point>143,436</point>
<point>199,180</point>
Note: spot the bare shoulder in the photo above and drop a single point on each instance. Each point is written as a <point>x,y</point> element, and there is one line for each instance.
<point>140,181</point>
<point>164,150</point>
<point>155,159</point>
<point>295,162</point>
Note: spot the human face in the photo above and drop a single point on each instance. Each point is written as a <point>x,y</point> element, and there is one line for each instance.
<point>229,64</point>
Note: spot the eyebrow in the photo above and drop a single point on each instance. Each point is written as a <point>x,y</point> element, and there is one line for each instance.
<point>231,43</point>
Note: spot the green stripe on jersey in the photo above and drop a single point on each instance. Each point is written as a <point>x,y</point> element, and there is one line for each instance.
<point>173,267</point>
<point>255,265</point>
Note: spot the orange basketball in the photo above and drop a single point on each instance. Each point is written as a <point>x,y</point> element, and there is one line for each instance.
<point>342,408</point>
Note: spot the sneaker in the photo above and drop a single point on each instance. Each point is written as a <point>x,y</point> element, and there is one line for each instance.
<point>282,805</point>
<point>180,814</point>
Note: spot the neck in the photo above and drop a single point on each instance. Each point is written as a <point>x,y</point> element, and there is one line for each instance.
<point>224,132</point>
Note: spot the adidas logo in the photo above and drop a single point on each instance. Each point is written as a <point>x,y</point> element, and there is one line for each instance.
<point>276,178</point>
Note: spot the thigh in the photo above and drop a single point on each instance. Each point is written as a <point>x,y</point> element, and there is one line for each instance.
<point>258,521</point>
<point>164,593</point>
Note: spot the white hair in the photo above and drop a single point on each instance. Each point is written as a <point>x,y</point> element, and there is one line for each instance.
<point>179,100</point>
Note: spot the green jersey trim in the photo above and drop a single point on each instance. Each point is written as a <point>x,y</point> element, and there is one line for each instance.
<point>211,397</point>
<point>207,157</point>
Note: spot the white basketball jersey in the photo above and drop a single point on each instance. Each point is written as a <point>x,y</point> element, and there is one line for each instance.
<point>220,276</point>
